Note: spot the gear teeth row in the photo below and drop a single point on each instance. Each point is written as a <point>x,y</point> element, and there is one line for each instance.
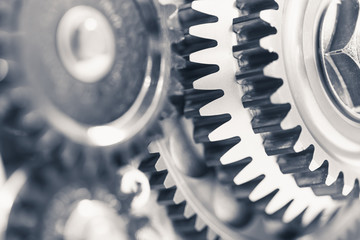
<point>187,224</point>
<point>206,107</point>
<point>269,116</point>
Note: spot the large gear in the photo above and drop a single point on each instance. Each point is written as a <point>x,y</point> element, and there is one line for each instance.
<point>311,136</point>
<point>228,123</point>
<point>207,38</point>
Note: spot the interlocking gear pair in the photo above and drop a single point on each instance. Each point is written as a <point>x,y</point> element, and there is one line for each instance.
<point>216,175</point>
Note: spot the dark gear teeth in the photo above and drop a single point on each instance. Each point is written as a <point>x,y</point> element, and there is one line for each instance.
<point>259,87</point>
<point>178,138</point>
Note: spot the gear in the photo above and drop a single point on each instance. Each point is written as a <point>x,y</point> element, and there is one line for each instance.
<point>290,104</point>
<point>48,96</point>
<point>75,197</point>
<point>223,125</point>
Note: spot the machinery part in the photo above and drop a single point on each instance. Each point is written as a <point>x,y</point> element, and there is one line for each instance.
<point>182,170</point>
<point>223,125</point>
<point>54,59</point>
<point>302,101</point>
<point>79,197</point>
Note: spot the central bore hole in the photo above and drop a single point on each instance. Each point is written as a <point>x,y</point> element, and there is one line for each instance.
<point>340,55</point>
<point>86,43</point>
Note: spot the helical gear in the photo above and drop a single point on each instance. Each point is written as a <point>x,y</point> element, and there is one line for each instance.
<point>285,111</point>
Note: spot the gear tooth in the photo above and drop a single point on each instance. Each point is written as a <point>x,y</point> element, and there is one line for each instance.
<point>236,153</point>
<point>200,224</point>
<point>216,107</point>
<point>204,56</point>
<point>263,189</point>
<point>271,16</point>
<point>206,125</point>
<point>197,99</point>
<point>148,165</point>
<point>166,196</point>
<point>349,186</point>
<point>271,43</point>
<point>224,131</point>
<point>263,202</point>
<point>176,211</point>
<point>169,182</point>
<point>269,118</point>
<point>317,161</point>
<point>281,142</point>
<point>178,197</point>
<point>190,44</point>
<point>189,17</point>
<point>242,191</point>
<point>332,189</point>
<point>333,175</point>
<point>188,211</point>
<point>214,8</point>
<point>308,179</point>
<point>186,226</point>
<point>206,7</point>
<point>157,180</point>
<point>279,214</point>
<point>257,88</point>
<point>214,151</point>
<point>296,162</point>
<point>281,199</point>
<point>211,235</point>
<point>194,235</point>
<point>227,173</point>
<point>251,28</point>
<point>197,71</point>
<point>255,6</point>
<point>287,122</point>
<point>249,173</point>
<point>250,56</point>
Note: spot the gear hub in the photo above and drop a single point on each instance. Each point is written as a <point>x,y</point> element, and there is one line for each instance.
<point>340,55</point>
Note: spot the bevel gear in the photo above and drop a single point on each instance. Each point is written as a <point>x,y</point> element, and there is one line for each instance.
<point>289,93</point>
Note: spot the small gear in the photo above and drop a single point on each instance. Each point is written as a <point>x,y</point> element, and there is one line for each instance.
<point>292,92</point>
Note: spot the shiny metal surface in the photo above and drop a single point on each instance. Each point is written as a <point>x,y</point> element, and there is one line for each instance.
<point>168,119</point>
<point>340,54</point>
<point>86,43</point>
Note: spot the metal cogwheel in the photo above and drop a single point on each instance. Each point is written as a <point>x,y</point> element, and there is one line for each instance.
<point>69,111</point>
<point>306,107</point>
<point>244,179</point>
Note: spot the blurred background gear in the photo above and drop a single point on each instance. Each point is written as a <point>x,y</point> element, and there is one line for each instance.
<point>96,69</point>
<point>87,127</point>
<point>80,198</point>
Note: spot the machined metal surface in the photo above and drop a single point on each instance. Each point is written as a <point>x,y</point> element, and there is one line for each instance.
<point>177,119</point>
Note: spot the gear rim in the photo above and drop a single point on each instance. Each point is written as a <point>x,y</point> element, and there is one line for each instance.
<point>303,129</point>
